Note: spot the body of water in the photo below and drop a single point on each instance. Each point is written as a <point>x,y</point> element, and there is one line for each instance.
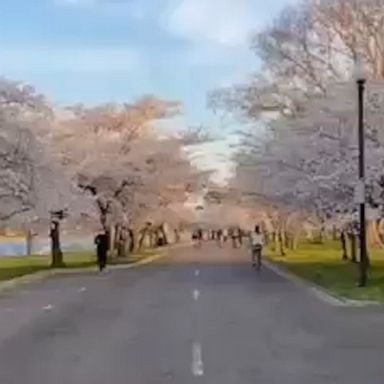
<point>42,246</point>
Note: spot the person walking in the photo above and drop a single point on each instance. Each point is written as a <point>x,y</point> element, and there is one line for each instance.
<point>102,244</point>
<point>257,242</point>
<point>197,237</point>
<point>235,237</point>
<point>241,234</point>
<point>225,235</point>
<point>230,236</point>
<point>200,236</point>
<point>219,235</point>
<point>194,237</point>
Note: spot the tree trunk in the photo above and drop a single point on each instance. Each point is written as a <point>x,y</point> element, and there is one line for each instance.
<point>111,237</point>
<point>127,246</point>
<point>266,237</point>
<point>177,236</point>
<point>56,253</point>
<point>122,243</point>
<point>380,229</point>
<point>281,243</point>
<point>322,233</point>
<point>368,259</point>
<point>373,237</point>
<point>162,230</point>
<point>295,240</point>
<point>154,238</point>
<point>275,241</point>
<point>29,240</point>
<point>353,244</point>
<point>142,235</point>
<point>131,240</point>
<point>123,248</point>
<point>117,239</point>
<point>334,233</point>
<point>343,240</point>
<point>292,237</point>
<point>287,239</point>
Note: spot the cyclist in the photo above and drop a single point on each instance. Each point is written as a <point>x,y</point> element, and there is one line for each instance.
<point>257,242</point>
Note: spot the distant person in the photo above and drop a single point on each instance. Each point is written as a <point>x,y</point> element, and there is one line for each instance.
<point>219,237</point>
<point>235,237</point>
<point>197,237</point>
<point>241,234</point>
<point>102,245</point>
<point>225,235</point>
<point>194,237</point>
<point>200,235</point>
<point>257,242</point>
<point>230,232</point>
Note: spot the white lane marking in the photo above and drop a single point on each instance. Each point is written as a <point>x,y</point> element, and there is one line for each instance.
<point>82,289</point>
<point>196,294</point>
<point>197,272</point>
<point>197,362</point>
<point>48,307</point>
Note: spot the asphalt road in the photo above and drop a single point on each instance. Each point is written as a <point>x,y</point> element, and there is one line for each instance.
<point>200,316</point>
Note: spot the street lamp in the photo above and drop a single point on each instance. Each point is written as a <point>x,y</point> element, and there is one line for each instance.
<point>360,78</point>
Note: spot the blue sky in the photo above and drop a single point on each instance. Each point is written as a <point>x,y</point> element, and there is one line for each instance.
<point>96,51</point>
<point>116,50</point>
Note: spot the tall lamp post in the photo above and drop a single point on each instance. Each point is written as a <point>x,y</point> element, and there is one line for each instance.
<point>363,264</point>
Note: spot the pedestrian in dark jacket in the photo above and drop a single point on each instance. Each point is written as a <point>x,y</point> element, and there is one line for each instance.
<point>102,245</point>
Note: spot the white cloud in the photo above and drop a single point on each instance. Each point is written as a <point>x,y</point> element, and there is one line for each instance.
<point>69,59</point>
<point>226,22</point>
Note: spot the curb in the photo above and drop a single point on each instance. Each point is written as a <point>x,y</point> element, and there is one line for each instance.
<point>29,278</point>
<point>38,276</point>
<point>321,293</point>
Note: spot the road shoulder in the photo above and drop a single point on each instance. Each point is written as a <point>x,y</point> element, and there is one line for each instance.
<point>41,275</point>
<point>317,291</point>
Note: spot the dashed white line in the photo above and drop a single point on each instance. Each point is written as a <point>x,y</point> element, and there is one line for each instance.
<point>197,361</point>
<point>197,272</point>
<point>82,289</point>
<point>196,294</point>
<point>48,307</point>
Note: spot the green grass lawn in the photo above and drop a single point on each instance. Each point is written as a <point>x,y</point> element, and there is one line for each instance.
<point>11,267</point>
<point>322,265</point>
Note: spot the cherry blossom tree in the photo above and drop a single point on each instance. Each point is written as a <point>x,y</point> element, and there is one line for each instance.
<point>305,98</point>
<point>133,171</point>
<point>309,46</point>
<point>33,185</point>
<point>309,162</point>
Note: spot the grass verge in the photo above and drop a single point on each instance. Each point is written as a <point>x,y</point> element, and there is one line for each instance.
<point>12,267</point>
<point>322,265</point>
